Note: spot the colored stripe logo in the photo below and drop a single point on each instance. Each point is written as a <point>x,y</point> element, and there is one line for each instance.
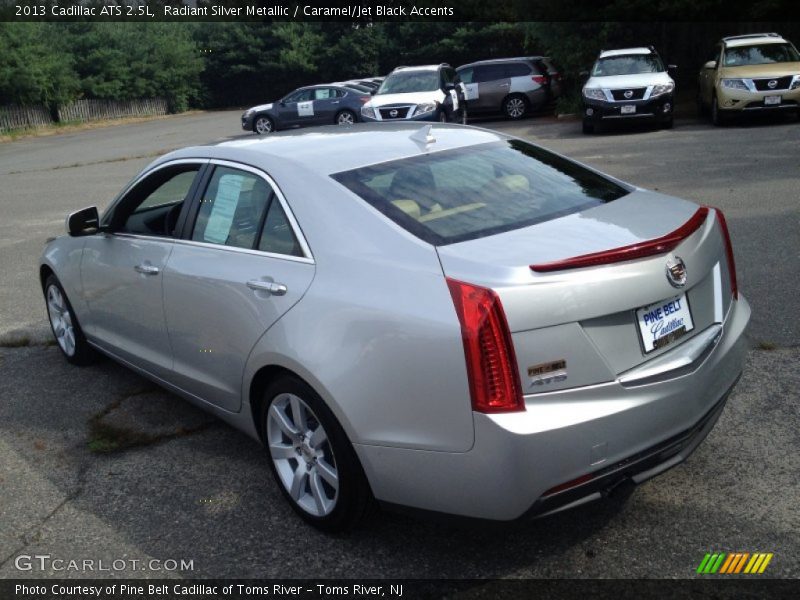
<point>734,563</point>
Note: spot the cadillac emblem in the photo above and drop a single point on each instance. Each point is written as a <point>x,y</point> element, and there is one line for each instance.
<point>676,271</point>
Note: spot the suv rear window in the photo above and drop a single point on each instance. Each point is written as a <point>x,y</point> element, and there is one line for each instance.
<point>467,193</point>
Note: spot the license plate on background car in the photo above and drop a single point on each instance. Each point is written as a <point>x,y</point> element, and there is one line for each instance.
<point>769,100</point>
<point>662,323</point>
<point>628,110</point>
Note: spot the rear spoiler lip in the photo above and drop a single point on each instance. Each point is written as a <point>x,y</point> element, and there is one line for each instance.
<point>660,245</point>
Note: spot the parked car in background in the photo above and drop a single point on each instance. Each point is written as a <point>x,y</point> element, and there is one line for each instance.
<point>628,84</point>
<point>424,93</point>
<point>556,76</point>
<point>366,89</point>
<point>752,73</point>
<point>511,86</point>
<point>461,322</point>
<point>311,105</point>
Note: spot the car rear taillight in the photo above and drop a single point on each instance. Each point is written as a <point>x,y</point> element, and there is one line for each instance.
<point>364,98</point>
<point>491,364</point>
<point>640,250</point>
<point>540,79</point>
<point>728,253</point>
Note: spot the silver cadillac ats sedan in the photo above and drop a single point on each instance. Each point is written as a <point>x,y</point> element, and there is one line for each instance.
<point>445,318</point>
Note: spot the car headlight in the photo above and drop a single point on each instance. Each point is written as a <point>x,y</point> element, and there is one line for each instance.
<point>368,111</point>
<point>795,82</point>
<point>594,94</point>
<point>660,89</point>
<point>249,112</point>
<point>735,84</point>
<point>425,107</point>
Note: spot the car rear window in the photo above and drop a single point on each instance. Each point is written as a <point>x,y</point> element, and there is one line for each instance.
<point>467,193</point>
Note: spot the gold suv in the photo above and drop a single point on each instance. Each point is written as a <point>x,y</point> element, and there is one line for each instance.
<point>750,73</point>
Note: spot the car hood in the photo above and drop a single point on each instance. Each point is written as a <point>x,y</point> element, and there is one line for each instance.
<point>768,70</point>
<point>408,98</point>
<point>261,107</point>
<point>629,81</point>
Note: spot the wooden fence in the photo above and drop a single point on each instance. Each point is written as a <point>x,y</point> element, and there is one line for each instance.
<point>20,117</point>
<point>91,110</point>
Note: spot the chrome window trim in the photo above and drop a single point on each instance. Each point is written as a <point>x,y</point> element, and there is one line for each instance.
<point>298,232</point>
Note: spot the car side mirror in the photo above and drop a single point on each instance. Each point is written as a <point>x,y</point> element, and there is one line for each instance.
<point>712,64</point>
<point>373,92</point>
<point>83,222</point>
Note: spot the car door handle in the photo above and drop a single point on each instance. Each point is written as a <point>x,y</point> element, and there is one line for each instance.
<point>505,84</point>
<point>276,289</point>
<point>147,269</point>
<point>335,102</point>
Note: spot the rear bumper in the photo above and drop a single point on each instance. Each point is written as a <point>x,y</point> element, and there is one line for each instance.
<point>609,431</point>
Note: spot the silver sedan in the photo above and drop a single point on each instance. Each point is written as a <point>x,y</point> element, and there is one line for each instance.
<point>440,317</point>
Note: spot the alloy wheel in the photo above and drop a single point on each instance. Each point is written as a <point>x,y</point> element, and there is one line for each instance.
<point>61,320</point>
<point>515,108</point>
<point>345,118</point>
<point>302,455</point>
<point>263,125</point>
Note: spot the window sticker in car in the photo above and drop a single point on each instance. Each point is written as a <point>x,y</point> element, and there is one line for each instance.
<point>454,96</point>
<point>470,91</point>
<point>219,222</point>
<point>305,109</point>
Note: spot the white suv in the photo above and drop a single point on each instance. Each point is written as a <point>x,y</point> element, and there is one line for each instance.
<point>631,83</point>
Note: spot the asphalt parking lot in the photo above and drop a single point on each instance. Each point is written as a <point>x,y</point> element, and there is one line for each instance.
<point>184,486</point>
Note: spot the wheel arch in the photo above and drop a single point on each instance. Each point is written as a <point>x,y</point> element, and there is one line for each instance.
<point>45,271</point>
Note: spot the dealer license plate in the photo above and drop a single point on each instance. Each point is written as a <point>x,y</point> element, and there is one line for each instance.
<point>628,110</point>
<point>662,323</point>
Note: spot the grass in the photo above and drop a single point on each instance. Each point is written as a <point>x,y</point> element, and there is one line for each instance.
<point>15,341</point>
<point>73,126</point>
<point>768,346</point>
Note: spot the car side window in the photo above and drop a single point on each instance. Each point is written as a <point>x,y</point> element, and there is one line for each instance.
<point>232,208</point>
<point>277,236</point>
<point>154,205</point>
<point>466,75</point>
<point>517,70</point>
<point>300,96</point>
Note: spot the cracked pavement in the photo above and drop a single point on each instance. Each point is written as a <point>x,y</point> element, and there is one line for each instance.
<point>198,490</point>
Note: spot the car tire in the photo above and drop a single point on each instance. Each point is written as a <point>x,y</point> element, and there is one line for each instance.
<point>515,106</point>
<point>262,124</point>
<point>717,116</point>
<point>345,117</point>
<point>588,127</point>
<point>64,325</point>
<point>313,462</point>
<point>464,116</point>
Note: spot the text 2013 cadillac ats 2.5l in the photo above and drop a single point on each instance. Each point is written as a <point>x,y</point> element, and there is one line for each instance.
<point>444,318</point>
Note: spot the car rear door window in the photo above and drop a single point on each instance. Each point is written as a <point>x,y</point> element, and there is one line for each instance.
<point>277,236</point>
<point>232,208</point>
<point>517,70</point>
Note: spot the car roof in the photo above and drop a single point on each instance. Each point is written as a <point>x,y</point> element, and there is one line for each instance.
<point>753,39</point>
<point>333,148</point>
<point>421,68</point>
<point>625,52</point>
<point>489,61</point>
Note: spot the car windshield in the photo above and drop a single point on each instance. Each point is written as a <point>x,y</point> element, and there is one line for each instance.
<point>457,195</point>
<point>633,64</point>
<point>760,54</point>
<point>410,81</point>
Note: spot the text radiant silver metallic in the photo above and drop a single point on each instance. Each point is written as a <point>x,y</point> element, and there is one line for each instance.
<point>345,346</point>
